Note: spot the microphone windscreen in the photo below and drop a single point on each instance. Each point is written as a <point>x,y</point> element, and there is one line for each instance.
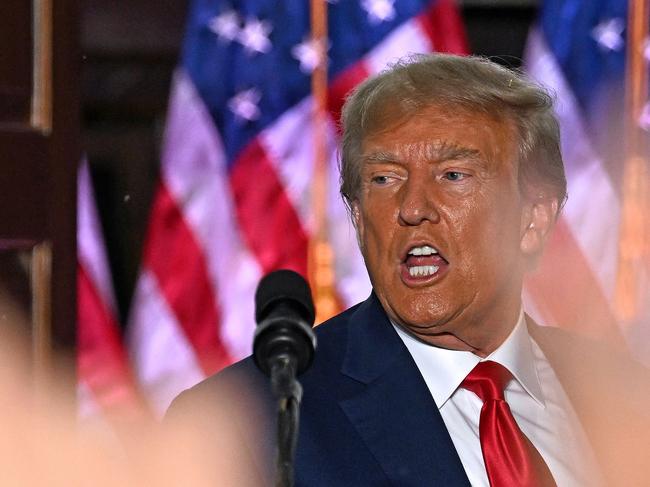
<point>284,285</point>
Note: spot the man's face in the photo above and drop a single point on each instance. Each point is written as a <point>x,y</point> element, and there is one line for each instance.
<point>442,224</point>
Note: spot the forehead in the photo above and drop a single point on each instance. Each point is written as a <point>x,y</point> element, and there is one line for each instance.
<point>435,131</point>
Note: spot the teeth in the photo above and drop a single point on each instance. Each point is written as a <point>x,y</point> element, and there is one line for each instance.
<point>423,270</point>
<point>424,250</point>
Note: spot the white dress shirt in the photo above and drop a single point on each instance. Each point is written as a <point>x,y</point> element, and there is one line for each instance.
<point>537,401</point>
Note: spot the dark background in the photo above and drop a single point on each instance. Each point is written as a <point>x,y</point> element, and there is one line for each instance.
<point>129,51</point>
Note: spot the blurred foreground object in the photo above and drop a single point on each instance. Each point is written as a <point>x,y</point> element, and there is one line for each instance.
<point>633,285</point>
<point>593,277</point>
<point>42,443</point>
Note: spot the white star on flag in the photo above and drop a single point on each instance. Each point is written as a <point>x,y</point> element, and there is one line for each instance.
<point>608,34</point>
<point>255,36</point>
<point>226,25</point>
<point>244,104</point>
<point>309,54</point>
<point>644,118</point>
<point>379,10</point>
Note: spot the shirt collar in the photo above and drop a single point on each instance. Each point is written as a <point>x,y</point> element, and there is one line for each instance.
<point>516,355</point>
<point>443,370</point>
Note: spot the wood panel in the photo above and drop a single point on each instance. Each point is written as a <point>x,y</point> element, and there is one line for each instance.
<point>39,153</point>
<point>16,53</point>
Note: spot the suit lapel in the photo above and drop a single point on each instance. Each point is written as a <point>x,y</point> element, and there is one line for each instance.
<point>395,413</point>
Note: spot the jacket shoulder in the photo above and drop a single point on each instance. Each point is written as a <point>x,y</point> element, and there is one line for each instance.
<point>243,382</point>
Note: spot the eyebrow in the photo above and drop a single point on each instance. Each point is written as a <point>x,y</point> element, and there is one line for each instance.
<point>380,156</point>
<point>437,152</point>
<point>447,152</point>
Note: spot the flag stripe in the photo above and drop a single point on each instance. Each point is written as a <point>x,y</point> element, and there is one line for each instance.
<point>342,85</point>
<point>444,27</point>
<point>406,39</point>
<point>103,365</point>
<point>196,174</point>
<point>165,362</point>
<point>268,221</point>
<point>293,163</point>
<point>564,274</point>
<point>91,253</point>
<point>173,255</point>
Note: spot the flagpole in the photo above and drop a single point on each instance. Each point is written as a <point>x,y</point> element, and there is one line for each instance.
<point>634,237</point>
<point>320,258</point>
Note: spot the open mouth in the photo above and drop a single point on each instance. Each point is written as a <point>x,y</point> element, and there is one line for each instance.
<point>422,262</point>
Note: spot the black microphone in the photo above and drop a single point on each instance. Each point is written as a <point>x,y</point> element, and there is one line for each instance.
<point>283,348</point>
<point>284,312</point>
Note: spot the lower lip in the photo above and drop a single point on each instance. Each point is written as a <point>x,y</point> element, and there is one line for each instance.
<point>415,281</point>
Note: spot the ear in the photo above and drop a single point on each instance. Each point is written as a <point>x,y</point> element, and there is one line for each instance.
<point>537,220</point>
<point>357,221</point>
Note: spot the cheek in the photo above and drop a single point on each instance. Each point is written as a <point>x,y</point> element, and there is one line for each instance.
<point>376,233</point>
<point>374,237</point>
<point>375,223</point>
<point>487,231</point>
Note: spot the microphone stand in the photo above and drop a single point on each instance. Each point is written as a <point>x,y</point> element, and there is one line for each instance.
<point>288,393</point>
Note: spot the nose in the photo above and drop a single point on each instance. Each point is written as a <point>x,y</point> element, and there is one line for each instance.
<point>417,203</point>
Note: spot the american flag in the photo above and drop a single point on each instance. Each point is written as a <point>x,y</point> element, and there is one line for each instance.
<point>578,49</point>
<point>234,202</point>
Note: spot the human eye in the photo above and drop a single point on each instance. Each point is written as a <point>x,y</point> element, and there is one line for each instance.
<point>382,175</point>
<point>455,175</point>
<point>380,179</point>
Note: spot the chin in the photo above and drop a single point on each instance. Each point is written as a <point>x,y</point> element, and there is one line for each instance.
<point>424,316</point>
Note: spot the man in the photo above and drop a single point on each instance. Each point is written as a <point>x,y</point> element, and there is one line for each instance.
<point>452,171</point>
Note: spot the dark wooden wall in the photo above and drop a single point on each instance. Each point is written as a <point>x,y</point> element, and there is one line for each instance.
<point>39,150</point>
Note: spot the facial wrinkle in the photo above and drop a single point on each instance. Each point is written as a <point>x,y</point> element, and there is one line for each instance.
<point>436,151</point>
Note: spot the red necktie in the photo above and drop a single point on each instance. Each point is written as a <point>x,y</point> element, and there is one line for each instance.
<point>510,458</point>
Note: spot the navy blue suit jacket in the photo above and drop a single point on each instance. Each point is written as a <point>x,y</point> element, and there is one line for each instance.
<point>368,419</point>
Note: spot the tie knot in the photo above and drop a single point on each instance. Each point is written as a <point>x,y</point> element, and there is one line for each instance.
<point>487,380</point>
